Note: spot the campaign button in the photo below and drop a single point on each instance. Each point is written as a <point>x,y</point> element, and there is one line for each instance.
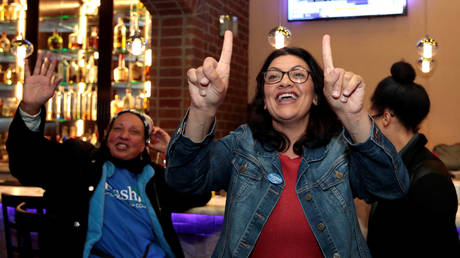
<point>275,178</point>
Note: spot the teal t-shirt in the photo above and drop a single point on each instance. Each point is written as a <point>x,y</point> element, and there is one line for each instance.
<point>127,230</point>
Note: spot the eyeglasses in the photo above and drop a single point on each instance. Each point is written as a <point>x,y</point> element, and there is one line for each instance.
<point>296,75</point>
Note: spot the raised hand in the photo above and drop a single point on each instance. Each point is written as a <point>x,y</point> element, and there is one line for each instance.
<point>208,83</point>
<point>159,139</point>
<point>344,90</point>
<point>345,93</point>
<point>40,86</point>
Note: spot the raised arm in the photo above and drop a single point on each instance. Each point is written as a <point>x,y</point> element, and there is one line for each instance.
<point>39,86</point>
<point>208,86</point>
<point>344,91</point>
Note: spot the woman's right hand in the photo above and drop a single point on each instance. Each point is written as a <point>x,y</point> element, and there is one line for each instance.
<point>208,83</point>
<point>39,87</point>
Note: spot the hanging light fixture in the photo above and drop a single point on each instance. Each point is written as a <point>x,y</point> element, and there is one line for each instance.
<point>135,43</point>
<point>427,47</point>
<point>279,36</point>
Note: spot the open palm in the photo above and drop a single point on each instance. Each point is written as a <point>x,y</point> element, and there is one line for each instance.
<point>39,86</point>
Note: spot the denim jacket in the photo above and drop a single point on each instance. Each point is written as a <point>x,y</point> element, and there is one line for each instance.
<point>328,179</point>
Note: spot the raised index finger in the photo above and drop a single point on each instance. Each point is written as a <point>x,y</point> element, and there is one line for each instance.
<point>327,54</point>
<point>226,54</point>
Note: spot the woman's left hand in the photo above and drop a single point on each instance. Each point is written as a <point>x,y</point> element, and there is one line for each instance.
<point>344,91</point>
<point>159,140</point>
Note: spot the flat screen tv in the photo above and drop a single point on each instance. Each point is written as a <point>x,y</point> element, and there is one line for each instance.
<point>301,10</point>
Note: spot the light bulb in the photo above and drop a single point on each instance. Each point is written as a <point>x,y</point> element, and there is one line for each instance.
<point>426,65</point>
<point>279,37</point>
<point>21,48</point>
<point>427,47</point>
<point>136,44</point>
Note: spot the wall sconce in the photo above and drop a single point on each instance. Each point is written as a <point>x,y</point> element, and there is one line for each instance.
<point>227,22</point>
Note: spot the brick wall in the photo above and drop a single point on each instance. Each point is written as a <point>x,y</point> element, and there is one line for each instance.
<point>184,33</point>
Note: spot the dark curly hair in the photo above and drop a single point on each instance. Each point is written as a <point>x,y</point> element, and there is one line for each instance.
<point>406,99</point>
<point>323,124</point>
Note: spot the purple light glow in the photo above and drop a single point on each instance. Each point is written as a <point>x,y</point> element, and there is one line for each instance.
<point>197,224</point>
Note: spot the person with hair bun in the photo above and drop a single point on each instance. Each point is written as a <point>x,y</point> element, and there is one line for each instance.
<point>421,224</point>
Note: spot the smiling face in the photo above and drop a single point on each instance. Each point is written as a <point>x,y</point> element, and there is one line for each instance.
<point>126,138</point>
<point>286,101</point>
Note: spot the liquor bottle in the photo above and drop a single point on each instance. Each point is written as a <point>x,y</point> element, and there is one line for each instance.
<point>93,41</point>
<point>86,104</point>
<point>67,109</point>
<point>91,71</point>
<point>73,106</point>
<point>94,104</point>
<point>58,103</point>
<point>64,70</point>
<point>73,39</point>
<point>128,100</point>
<point>139,103</point>
<point>4,43</point>
<point>73,71</point>
<point>136,71</point>
<point>4,10</point>
<point>120,73</point>
<point>49,109</point>
<point>55,41</point>
<point>9,76</point>
<point>14,9</point>
<point>116,105</point>
<point>119,36</point>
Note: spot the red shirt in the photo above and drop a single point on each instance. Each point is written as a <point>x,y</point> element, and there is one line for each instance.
<point>287,232</point>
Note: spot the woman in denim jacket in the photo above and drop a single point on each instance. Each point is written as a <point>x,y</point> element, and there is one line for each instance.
<point>292,172</point>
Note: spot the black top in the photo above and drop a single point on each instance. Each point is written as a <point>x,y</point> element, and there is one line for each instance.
<point>423,223</point>
<point>69,173</point>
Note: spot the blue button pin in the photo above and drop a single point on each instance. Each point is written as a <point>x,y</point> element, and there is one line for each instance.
<point>275,178</point>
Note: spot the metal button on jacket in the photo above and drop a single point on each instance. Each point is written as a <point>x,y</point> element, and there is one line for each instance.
<point>91,188</point>
<point>321,226</point>
<point>76,224</point>
<point>308,197</point>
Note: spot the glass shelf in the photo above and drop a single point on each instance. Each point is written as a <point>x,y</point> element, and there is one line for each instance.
<point>125,85</point>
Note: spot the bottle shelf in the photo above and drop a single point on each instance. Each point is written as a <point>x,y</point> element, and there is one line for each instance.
<point>125,85</point>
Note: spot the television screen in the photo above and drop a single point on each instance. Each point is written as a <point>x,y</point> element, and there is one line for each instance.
<point>299,10</point>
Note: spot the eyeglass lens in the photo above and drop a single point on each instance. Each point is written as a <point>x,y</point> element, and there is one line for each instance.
<point>296,76</point>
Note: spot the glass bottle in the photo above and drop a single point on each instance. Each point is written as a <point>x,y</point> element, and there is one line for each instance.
<point>73,39</point>
<point>9,76</point>
<point>64,70</point>
<point>116,105</point>
<point>136,71</point>
<point>128,100</point>
<point>93,41</point>
<point>67,110</point>
<point>13,10</point>
<point>59,101</point>
<point>4,43</point>
<point>55,41</point>
<point>119,36</point>
<point>4,10</point>
<point>94,104</point>
<point>120,73</point>
<point>91,71</point>
<point>73,71</point>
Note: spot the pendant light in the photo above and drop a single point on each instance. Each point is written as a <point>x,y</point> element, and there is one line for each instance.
<point>279,36</point>
<point>135,43</point>
<point>427,47</point>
